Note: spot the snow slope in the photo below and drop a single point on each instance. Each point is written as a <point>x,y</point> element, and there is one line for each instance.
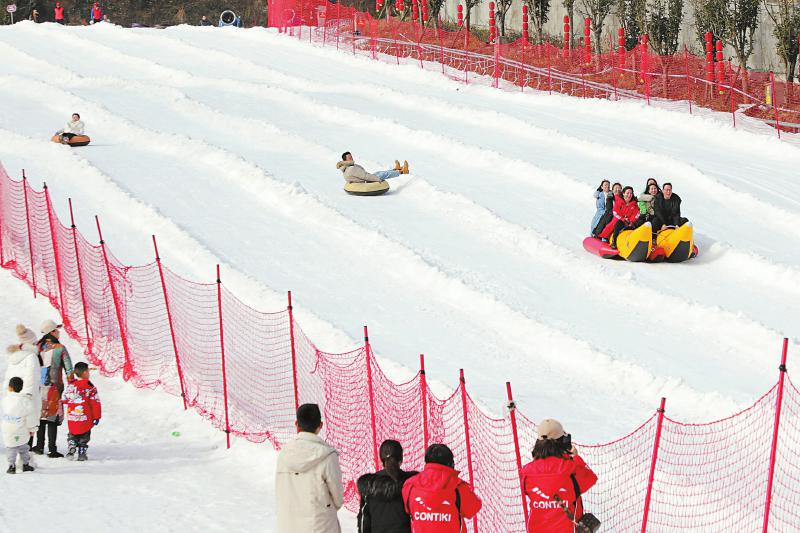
<point>140,476</point>
<point>223,143</point>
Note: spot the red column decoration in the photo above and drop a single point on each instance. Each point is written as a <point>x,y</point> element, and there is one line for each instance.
<point>127,369</point>
<point>460,16</point>
<point>222,352</point>
<point>776,424</point>
<point>656,443</point>
<point>587,40</point>
<point>709,57</point>
<point>169,321</point>
<point>566,35</point>
<point>720,68</point>
<point>492,27</point>
<point>621,47</point>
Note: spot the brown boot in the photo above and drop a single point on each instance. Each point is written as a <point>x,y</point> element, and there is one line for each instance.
<point>397,165</point>
<point>404,170</point>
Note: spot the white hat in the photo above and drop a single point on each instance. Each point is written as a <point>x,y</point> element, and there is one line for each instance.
<point>48,326</point>
<point>25,335</point>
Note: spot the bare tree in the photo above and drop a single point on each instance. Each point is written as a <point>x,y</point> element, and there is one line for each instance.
<point>664,25</point>
<point>468,5</point>
<point>785,15</point>
<point>501,8</point>
<point>597,10</point>
<point>539,12</point>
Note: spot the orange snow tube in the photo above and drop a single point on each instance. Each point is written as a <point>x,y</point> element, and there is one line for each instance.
<point>78,140</point>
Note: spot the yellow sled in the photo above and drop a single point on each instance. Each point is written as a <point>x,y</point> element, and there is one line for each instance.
<point>371,188</point>
<point>677,243</point>
<point>636,245</point>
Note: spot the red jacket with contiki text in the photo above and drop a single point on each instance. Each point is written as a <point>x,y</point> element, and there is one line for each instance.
<point>438,501</point>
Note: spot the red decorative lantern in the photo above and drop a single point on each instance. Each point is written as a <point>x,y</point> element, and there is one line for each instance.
<point>525,34</point>
<point>566,32</point>
<point>460,15</point>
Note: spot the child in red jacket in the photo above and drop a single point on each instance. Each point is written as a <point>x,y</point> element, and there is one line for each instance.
<point>82,410</point>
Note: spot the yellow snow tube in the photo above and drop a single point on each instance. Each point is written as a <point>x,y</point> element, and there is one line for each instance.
<point>371,188</point>
<point>636,245</point>
<point>677,243</point>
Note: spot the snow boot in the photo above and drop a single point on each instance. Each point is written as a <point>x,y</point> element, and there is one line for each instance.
<point>55,455</point>
<point>404,170</point>
<point>27,468</point>
<point>82,454</point>
<point>397,166</point>
<point>11,469</point>
<point>71,451</point>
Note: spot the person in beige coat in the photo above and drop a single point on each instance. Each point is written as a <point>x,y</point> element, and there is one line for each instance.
<point>354,173</point>
<point>308,479</point>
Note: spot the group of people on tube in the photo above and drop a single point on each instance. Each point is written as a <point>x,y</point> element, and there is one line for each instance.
<point>619,209</point>
<point>309,488</point>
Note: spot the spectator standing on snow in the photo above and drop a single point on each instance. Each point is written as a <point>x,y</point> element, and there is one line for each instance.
<point>95,14</point>
<point>58,13</point>
<point>74,127</point>
<point>56,359</point>
<point>308,479</point>
<point>354,173</point>
<point>34,16</point>
<point>24,362</point>
<point>554,480</point>
<point>667,208</point>
<point>436,499</point>
<point>205,22</point>
<point>83,411</point>
<point>17,409</point>
<point>382,509</point>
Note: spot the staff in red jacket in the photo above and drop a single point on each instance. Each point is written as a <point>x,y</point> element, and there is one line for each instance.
<point>626,215</point>
<point>58,13</point>
<point>96,14</point>
<point>550,481</point>
<point>436,499</point>
<point>83,411</point>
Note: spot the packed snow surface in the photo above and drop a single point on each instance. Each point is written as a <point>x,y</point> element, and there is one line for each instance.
<point>223,142</point>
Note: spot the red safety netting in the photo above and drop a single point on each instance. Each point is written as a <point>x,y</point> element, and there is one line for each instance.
<point>404,30</point>
<point>247,370</point>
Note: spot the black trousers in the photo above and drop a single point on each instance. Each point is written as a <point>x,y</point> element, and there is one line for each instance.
<point>621,225</point>
<point>658,222</point>
<point>52,433</point>
<point>79,441</point>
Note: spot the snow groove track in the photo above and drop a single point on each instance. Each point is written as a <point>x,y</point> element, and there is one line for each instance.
<point>478,254</point>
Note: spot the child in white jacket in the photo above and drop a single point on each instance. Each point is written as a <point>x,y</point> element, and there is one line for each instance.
<point>16,410</point>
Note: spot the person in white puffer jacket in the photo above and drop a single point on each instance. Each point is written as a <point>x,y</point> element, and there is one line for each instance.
<point>24,362</point>
<point>16,410</point>
<point>74,127</point>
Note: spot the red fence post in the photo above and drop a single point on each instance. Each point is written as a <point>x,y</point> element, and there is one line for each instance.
<point>774,102</point>
<point>50,216</point>
<point>127,369</point>
<point>730,90</point>
<point>371,392</point>
<point>549,69</point>
<point>290,309</point>
<point>423,389</point>
<point>525,38</point>
<point>222,350</point>
<point>774,448</point>
<point>512,408</point>
<point>656,444</point>
<point>338,22</point>
<point>169,320</point>
<point>463,385</point>
<point>30,238</point>
<point>80,276</point>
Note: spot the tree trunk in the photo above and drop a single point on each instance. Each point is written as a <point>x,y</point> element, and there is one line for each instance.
<point>598,36</point>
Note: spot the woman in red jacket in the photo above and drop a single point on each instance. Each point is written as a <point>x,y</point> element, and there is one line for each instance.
<point>551,479</point>
<point>626,216</point>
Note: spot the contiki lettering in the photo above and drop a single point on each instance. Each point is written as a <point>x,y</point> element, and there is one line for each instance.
<point>432,517</point>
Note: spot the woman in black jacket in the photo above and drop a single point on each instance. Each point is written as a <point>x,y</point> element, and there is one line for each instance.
<point>381,509</point>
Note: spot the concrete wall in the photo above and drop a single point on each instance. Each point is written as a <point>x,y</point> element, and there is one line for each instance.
<point>764,56</point>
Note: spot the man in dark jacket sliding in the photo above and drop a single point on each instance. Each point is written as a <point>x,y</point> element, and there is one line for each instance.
<point>381,509</point>
<point>667,207</point>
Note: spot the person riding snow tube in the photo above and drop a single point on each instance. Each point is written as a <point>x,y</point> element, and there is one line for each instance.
<point>72,134</point>
<point>359,182</point>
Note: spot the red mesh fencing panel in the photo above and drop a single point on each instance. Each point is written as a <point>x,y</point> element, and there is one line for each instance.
<point>389,32</point>
<point>167,332</point>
